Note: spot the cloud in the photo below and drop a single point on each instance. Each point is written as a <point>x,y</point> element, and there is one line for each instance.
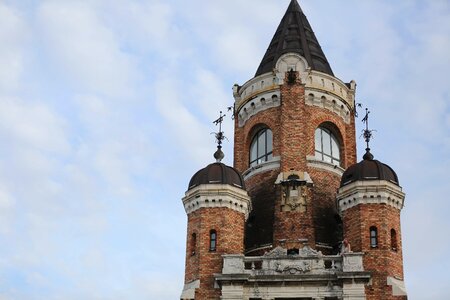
<point>7,205</point>
<point>106,110</point>
<point>88,52</point>
<point>189,133</point>
<point>32,124</point>
<point>13,34</point>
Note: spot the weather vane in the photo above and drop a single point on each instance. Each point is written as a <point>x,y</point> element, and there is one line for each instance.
<point>367,134</point>
<point>218,155</point>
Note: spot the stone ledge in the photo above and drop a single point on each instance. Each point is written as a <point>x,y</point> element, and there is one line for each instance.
<point>189,289</point>
<point>398,286</point>
<point>262,167</point>
<point>313,162</point>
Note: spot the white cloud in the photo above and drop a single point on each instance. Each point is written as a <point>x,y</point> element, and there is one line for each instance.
<point>89,51</point>
<point>32,124</point>
<point>208,94</point>
<point>12,35</point>
<point>189,133</point>
<point>7,210</point>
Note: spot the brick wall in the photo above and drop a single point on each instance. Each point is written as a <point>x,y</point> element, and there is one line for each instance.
<point>382,261</point>
<point>229,225</point>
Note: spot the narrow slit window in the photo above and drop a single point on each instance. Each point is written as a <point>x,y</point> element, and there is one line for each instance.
<point>393,240</point>
<point>193,243</point>
<point>212,240</point>
<point>373,237</point>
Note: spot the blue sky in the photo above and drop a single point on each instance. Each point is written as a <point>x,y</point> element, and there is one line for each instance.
<point>106,110</point>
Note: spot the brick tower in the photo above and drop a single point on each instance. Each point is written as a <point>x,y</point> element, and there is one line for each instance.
<point>370,200</point>
<point>217,206</point>
<point>315,224</point>
<point>294,136</point>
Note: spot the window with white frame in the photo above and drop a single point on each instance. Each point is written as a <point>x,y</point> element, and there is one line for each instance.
<point>327,146</point>
<point>261,147</point>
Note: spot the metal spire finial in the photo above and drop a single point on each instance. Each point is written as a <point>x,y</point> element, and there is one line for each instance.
<point>367,134</point>
<point>219,155</point>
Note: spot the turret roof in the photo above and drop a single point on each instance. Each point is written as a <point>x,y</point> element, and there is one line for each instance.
<point>294,34</point>
<point>369,169</point>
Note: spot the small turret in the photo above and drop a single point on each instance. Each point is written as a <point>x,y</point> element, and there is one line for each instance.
<point>370,200</point>
<point>217,206</point>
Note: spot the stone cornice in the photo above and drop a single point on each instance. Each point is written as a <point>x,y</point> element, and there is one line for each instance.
<point>217,195</point>
<point>370,192</point>
<point>322,99</point>
<point>260,103</point>
<point>312,80</point>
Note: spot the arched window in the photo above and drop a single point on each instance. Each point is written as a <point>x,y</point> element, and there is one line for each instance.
<point>212,240</point>
<point>393,240</point>
<point>261,147</point>
<point>327,146</point>
<point>193,243</point>
<point>373,237</point>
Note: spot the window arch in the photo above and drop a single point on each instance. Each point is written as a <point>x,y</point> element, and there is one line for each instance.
<point>212,240</point>
<point>327,146</point>
<point>373,237</point>
<point>393,240</point>
<point>261,147</point>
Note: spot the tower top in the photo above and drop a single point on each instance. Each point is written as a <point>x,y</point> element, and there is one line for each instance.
<point>294,34</point>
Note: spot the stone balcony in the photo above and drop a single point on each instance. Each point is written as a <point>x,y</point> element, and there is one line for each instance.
<point>278,262</point>
<point>278,274</point>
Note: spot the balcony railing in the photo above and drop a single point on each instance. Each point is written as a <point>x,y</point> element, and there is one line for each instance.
<point>279,263</point>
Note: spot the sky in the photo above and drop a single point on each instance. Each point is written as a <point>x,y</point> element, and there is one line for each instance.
<point>106,111</point>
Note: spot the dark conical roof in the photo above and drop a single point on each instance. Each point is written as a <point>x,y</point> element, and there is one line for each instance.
<point>294,34</point>
<point>217,173</point>
<point>369,169</point>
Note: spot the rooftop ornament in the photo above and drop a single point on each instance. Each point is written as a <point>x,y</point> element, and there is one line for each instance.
<point>367,134</point>
<point>219,155</point>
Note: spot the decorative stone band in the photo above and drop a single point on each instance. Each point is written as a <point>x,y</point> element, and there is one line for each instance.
<point>370,191</point>
<point>398,286</point>
<point>332,86</point>
<point>189,290</point>
<point>332,103</point>
<point>313,162</point>
<point>259,103</point>
<point>217,195</point>
<point>254,87</point>
<point>272,164</point>
<point>313,80</point>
